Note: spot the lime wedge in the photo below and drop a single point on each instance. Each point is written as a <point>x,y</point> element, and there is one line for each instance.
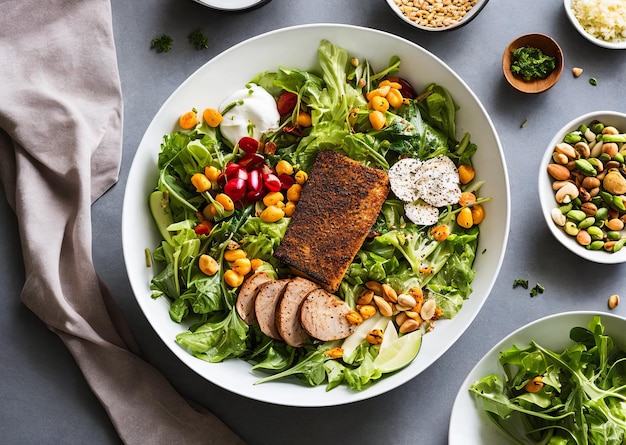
<point>398,352</point>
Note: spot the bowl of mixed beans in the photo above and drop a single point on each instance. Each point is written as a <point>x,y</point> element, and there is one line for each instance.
<point>582,186</point>
<point>436,15</point>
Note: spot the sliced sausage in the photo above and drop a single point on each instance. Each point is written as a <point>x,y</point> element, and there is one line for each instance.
<point>323,316</point>
<point>287,318</point>
<point>265,306</point>
<point>247,295</point>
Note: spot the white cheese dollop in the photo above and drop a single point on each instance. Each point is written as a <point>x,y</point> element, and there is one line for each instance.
<point>255,110</point>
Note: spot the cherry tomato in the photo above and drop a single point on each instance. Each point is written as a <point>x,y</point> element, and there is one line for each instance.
<point>203,228</point>
<point>287,102</point>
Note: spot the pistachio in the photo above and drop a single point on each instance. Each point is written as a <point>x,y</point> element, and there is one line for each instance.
<point>613,301</point>
<point>614,182</point>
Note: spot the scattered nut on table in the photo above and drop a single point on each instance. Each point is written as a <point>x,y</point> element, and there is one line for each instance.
<point>613,301</point>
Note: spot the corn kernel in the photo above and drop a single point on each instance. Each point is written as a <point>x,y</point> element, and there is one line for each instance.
<point>201,182</point>
<point>242,266</point>
<point>271,214</point>
<point>235,254</point>
<point>232,278</point>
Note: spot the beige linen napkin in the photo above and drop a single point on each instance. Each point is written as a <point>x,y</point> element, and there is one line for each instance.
<point>60,147</point>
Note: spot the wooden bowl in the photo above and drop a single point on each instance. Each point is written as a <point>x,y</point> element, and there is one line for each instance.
<point>549,47</point>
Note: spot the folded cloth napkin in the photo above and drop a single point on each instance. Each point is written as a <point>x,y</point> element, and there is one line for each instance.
<point>60,149</point>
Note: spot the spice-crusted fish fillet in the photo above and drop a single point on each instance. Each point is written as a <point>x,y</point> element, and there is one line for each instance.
<point>337,208</point>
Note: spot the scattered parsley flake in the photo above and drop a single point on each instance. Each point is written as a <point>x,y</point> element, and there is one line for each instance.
<point>520,282</point>
<point>162,44</point>
<point>538,289</point>
<point>198,39</point>
<point>524,123</point>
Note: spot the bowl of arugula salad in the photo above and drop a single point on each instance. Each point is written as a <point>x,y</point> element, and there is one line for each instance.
<point>570,388</point>
<point>318,227</point>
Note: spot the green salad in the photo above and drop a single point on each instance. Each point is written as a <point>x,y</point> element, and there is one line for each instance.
<point>228,185</point>
<point>577,396</point>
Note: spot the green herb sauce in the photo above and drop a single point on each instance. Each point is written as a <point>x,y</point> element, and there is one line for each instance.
<point>531,63</point>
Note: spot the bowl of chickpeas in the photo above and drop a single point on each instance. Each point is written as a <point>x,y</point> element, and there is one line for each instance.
<point>582,186</point>
<point>440,15</point>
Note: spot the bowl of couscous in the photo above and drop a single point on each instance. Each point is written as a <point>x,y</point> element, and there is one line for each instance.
<point>602,22</point>
<point>444,15</point>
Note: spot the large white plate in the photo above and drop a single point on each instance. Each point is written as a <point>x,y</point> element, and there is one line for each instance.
<point>469,424</point>
<point>230,71</point>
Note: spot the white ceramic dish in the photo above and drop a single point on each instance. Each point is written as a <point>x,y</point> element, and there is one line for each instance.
<point>546,193</point>
<point>209,86</point>
<point>232,5</point>
<point>469,424</point>
<point>596,41</point>
<point>480,4</point>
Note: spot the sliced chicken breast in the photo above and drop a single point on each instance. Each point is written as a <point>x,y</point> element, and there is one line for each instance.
<point>265,306</point>
<point>247,295</point>
<point>287,311</point>
<point>323,316</point>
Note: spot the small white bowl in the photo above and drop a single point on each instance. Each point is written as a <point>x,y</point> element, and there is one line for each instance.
<point>547,194</point>
<point>470,424</point>
<point>232,5</point>
<point>593,39</point>
<point>473,12</point>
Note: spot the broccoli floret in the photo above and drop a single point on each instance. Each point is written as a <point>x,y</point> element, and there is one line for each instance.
<point>414,245</point>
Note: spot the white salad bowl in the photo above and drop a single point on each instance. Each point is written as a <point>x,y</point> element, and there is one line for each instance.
<point>547,193</point>
<point>586,33</point>
<point>208,87</point>
<point>469,424</point>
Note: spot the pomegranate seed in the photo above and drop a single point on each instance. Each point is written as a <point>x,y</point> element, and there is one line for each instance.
<point>255,180</point>
<point>251,161</point>
<point>248,144</point>
<point>254,196</point>
<point>286,181</point>
<point>235,188</point>
<point>272,182</point>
